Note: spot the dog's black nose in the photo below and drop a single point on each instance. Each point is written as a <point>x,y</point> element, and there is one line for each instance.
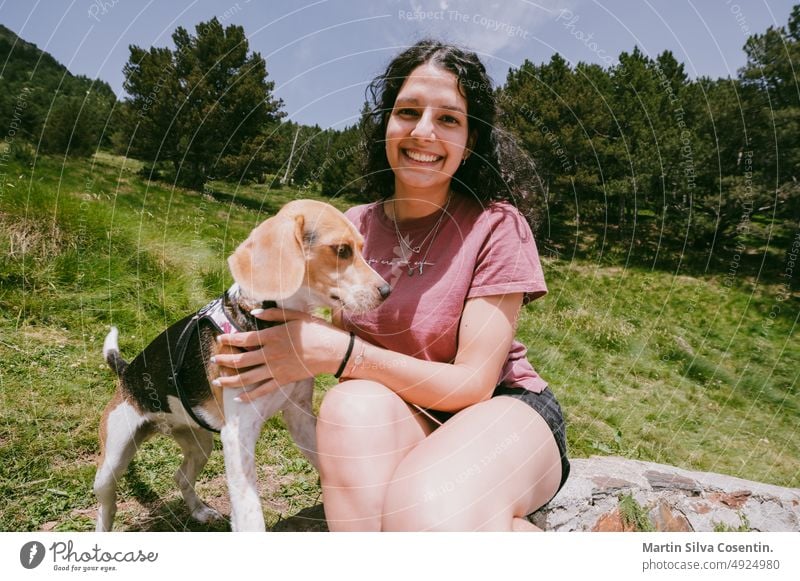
<point>385,290</point>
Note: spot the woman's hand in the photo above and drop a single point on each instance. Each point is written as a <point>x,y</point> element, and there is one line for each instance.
<point>303,347</point>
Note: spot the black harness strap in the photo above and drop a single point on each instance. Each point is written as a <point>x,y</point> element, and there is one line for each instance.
<point>192,326</point>
<point>183,342</point>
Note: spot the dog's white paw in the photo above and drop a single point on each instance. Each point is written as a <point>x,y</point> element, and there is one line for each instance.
<point>206,514</point>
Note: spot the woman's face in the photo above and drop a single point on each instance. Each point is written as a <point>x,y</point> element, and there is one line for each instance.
<point>427,135</point>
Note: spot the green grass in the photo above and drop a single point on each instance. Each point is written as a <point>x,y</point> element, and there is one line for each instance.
<point>83,246</point>
<point>744,526</point>
<point>633,515</point>
<point>671,369</point>
<point>647,364</point>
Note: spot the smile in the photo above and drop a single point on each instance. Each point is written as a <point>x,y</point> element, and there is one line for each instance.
<point>421,157</point>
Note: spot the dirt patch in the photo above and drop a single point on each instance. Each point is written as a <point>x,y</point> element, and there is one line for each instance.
<point>170,513</point>
<point>29,339</point>
<point>37,239</point>
<point>65,462</point>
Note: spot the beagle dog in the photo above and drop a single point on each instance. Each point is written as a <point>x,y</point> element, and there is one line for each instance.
<point>307,255</point>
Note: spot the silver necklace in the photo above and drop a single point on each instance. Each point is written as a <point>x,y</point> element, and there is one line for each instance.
<point>416,249</point>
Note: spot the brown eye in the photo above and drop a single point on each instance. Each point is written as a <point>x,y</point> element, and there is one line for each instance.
<point>343,251</point>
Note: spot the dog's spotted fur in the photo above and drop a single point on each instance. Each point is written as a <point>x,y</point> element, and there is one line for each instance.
<point>308,255</point>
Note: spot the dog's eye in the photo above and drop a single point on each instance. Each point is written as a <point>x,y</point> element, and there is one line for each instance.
<point>343,251</point>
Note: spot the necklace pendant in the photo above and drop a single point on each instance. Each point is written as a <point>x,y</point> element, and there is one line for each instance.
<point>405,245</point>
<point>412,249</point>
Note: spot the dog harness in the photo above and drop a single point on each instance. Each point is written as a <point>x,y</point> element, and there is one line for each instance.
<point>215,314</point>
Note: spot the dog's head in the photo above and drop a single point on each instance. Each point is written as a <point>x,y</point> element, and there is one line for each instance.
<point>308,253</point>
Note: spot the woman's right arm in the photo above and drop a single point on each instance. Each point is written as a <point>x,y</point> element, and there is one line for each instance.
<point>485,334</point>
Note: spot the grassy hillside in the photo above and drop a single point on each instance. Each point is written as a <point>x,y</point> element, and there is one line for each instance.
<point>699,372</point>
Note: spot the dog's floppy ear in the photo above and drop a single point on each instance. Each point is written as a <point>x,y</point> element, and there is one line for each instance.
<point>270,264</point>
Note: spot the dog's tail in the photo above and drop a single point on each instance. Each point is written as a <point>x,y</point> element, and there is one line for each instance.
<point>111,352</point>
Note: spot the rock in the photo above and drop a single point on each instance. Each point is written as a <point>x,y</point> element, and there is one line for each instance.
<point>666,498</point>
<point>613,522</point>
<point>664,518</point>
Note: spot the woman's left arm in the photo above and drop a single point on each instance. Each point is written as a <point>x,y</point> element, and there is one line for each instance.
<point>314,346</point>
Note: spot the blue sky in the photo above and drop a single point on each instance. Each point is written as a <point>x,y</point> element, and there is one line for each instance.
<point>322,53</point>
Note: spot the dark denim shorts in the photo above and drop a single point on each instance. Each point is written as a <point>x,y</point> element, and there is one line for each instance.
<point>544,403</point>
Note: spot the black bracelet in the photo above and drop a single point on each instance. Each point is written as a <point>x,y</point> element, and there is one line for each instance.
<point>338,374</point>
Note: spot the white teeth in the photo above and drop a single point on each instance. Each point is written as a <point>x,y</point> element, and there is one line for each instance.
<point>422,157</point>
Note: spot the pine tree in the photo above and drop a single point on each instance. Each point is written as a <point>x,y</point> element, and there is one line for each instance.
<point>772,98</point>
<point>201,105</point>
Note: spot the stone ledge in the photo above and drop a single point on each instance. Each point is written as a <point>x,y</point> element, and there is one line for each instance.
<point>668,498</point>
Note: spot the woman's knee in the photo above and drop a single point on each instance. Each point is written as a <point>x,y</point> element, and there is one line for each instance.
<point>359,404</point>
<point>363,418</point>
<point>363,431</point>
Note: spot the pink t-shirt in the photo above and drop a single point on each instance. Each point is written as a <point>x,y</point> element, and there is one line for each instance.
<point>477,251</point>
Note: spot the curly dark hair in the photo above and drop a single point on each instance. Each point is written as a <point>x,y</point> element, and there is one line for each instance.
<point>497,169</point>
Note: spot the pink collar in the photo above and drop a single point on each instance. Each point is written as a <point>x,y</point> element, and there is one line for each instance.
<point>215,313</point>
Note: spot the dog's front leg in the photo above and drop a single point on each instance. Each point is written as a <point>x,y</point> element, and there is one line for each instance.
<point>301,421</point>
<point>243,423</point>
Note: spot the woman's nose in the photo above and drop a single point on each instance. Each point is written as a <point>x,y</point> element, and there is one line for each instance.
<point>424,126</point>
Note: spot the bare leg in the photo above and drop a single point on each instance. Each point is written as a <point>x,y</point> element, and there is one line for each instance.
<point>484,469</point>
<point>364,430</point>
<point>523,525</point>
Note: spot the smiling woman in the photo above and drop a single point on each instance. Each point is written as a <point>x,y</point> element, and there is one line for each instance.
<point>427,138</point>
<point>439,421</point>
<point>492,159</point>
